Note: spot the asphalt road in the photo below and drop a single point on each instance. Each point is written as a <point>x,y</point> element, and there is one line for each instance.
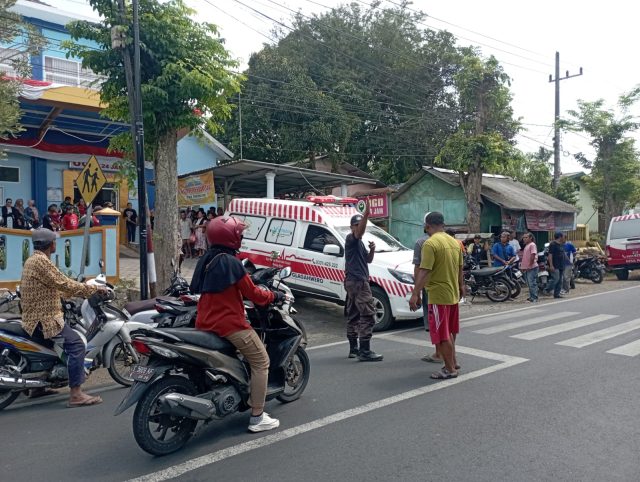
<point>546,392</point>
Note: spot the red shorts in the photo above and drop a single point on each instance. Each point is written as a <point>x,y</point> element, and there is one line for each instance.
<point>444,320</point>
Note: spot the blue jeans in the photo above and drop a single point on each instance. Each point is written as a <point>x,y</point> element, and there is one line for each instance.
<point>555,282</point>
<point>74,349</point>
<point>531,277</point>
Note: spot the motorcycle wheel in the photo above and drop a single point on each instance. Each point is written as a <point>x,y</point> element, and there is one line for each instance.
<point>499,292</point>
<point>121,364</point>
<point>150,427</point>
<point>596,276</point>
<point>7,396</point>
<point>297,376</point>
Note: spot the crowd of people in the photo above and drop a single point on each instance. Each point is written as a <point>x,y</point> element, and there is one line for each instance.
<point>66,217</point>
<point>192,226</point>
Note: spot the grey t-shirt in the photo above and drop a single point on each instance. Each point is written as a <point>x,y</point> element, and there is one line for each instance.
<point>355,254</point>
<point>417,249</point>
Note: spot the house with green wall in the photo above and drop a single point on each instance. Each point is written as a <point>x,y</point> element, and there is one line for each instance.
<point>506,204</point>
<point>588,214</point>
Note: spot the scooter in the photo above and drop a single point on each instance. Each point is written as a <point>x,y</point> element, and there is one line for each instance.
<point>491,282</point>
<point>588,267</point>
<point>193,376</point>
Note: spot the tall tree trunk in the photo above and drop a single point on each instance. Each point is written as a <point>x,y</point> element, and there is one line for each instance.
<point>472,186</point>
<point>166,238</point>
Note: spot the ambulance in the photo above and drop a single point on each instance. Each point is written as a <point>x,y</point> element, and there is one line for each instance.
<point>309,236</point>
<point>623,245</point>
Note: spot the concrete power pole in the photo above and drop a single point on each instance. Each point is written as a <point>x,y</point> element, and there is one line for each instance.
<point>556,137</point>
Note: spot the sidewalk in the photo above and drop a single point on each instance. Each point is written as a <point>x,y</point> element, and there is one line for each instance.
<point>130,269</point>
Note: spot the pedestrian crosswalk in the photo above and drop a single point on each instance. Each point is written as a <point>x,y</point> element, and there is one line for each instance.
<point>525,325</point>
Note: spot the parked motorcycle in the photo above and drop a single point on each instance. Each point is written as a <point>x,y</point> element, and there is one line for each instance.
<point>193,375</point>
<point>491,282</point>
<point>589,267</point>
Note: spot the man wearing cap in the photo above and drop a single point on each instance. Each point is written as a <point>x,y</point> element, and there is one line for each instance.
<point>41,288</point>
<point>441,272</point>
<point>556,265</point>
<point>360,307</point>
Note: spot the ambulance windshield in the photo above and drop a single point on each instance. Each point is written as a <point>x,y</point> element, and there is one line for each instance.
<point>384,241</point>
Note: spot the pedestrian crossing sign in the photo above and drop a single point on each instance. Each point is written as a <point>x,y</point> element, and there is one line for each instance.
<point>91,180</point>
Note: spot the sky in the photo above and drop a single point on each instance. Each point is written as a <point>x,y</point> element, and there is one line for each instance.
<point>600,37</point>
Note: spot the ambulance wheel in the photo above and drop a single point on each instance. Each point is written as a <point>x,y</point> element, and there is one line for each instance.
<point>383,318</point>
<point>622,274</point>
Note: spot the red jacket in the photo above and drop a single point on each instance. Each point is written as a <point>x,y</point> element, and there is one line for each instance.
<point>223,313</point>
<point>70,221</point>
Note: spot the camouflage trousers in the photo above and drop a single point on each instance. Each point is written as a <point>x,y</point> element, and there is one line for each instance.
<point>360,310</point>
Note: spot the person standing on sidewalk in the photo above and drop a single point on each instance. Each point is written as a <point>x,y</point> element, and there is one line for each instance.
<point>569,257</point>
<point>360,306</point>
<point>441,272</point>
<point>529,266</point>
<point>556,266</point>
<point>131,219</point>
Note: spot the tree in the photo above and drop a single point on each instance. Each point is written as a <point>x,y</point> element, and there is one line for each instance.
<point>186,83</point>
<point>21,40</point>
<point>534,169</point>
<point>615,169</point>
<point>481,142</point>
<point>375,85</point>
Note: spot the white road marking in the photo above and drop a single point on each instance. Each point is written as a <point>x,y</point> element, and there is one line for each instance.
<point>562,327</point>
<point>376,336</point>
<point>630,349</point>
<point>212,458</point>
<point>601,335</point>
<point>520,324</point>
<point>501,316</point>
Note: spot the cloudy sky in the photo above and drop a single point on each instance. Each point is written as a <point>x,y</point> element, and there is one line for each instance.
<point>601,37</point>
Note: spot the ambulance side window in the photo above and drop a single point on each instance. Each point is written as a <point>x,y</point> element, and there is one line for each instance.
<point>317,238</point>
<point>281,232</point>
<point>254,225</point>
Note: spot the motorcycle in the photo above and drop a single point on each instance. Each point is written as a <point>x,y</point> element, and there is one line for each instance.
<point>589,267</point>
<point>193,376</point>
<point>543,273</point>
<point>491,282</point>
<point>28,362</point>
<point>144,311</point>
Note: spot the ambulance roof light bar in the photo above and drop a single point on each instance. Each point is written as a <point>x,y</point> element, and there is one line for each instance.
<point>320,200</point>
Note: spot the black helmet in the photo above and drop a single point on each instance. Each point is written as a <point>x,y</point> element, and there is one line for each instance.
<point>355,219</point>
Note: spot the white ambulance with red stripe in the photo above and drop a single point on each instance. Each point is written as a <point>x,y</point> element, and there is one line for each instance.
<point>623,245</point>
<point>310,235</point>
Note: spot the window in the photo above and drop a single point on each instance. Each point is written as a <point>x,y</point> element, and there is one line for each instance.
<point>254,225</point>
<point>7,58</point>
<point>9,174</point>
<point>317,238</point>
<point>69,72</point>
<point>281,232</point>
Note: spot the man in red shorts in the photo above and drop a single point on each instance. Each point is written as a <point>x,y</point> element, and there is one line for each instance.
<point>441,273</point>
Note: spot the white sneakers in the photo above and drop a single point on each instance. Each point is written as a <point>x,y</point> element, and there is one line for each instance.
<point>263,423</point>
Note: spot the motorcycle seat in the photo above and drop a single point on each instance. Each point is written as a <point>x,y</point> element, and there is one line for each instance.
<point>485,271</point>
<point>15,328</point>
<point>134,307</point>
<point>204,339</point>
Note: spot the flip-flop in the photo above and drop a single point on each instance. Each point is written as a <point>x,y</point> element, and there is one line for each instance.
<point>86,403</point>
<point>443,375</point>
<point>42,393</point>
<point>431,359</point>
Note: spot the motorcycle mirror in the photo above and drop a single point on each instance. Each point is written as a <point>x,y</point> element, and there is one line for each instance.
<point>245,262</point>
<point>285,272</point>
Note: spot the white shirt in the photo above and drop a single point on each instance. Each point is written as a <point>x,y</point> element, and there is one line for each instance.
<point>516,247</point>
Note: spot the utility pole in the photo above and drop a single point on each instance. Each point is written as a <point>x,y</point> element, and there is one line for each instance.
<point>240,117</point>
<point>556,124</point>
<point>132,76</point>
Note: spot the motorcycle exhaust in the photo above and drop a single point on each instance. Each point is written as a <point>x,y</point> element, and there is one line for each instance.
<point>187,406</point>
<point>9,382</point>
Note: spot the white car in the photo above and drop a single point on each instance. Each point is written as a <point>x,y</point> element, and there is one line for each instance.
<point>309,236</point>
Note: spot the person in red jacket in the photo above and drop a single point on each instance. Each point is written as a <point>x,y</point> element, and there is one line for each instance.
<point>222,281</point>
<point>70,220</point>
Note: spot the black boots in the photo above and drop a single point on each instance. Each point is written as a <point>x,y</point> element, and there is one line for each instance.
<point>366,354</point>
<point>353,348</point>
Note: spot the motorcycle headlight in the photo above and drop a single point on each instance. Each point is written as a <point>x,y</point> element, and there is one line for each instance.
<point>402,277</point>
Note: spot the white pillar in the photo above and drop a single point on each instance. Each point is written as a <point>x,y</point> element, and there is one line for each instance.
<point>271,177</point>
<point>344,192</point>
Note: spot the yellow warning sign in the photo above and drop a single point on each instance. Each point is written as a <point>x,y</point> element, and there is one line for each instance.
<point>90,180</point>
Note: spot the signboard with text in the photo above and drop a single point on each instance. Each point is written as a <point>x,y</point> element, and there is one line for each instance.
<point>105,165</point>
<point>197,189</point>
<point>378,205</point>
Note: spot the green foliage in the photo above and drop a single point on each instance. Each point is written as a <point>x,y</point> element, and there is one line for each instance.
<point>362,84</point>
<point>185,77</point>
<point>615,169</point>
<point>26,40</point>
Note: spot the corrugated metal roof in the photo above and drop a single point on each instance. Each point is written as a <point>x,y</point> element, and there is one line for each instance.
<point>508,193</point>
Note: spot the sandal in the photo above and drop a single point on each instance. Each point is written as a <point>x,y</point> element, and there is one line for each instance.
<point>431,359</point>
<point>444,374</point>
<point>85,403</point>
